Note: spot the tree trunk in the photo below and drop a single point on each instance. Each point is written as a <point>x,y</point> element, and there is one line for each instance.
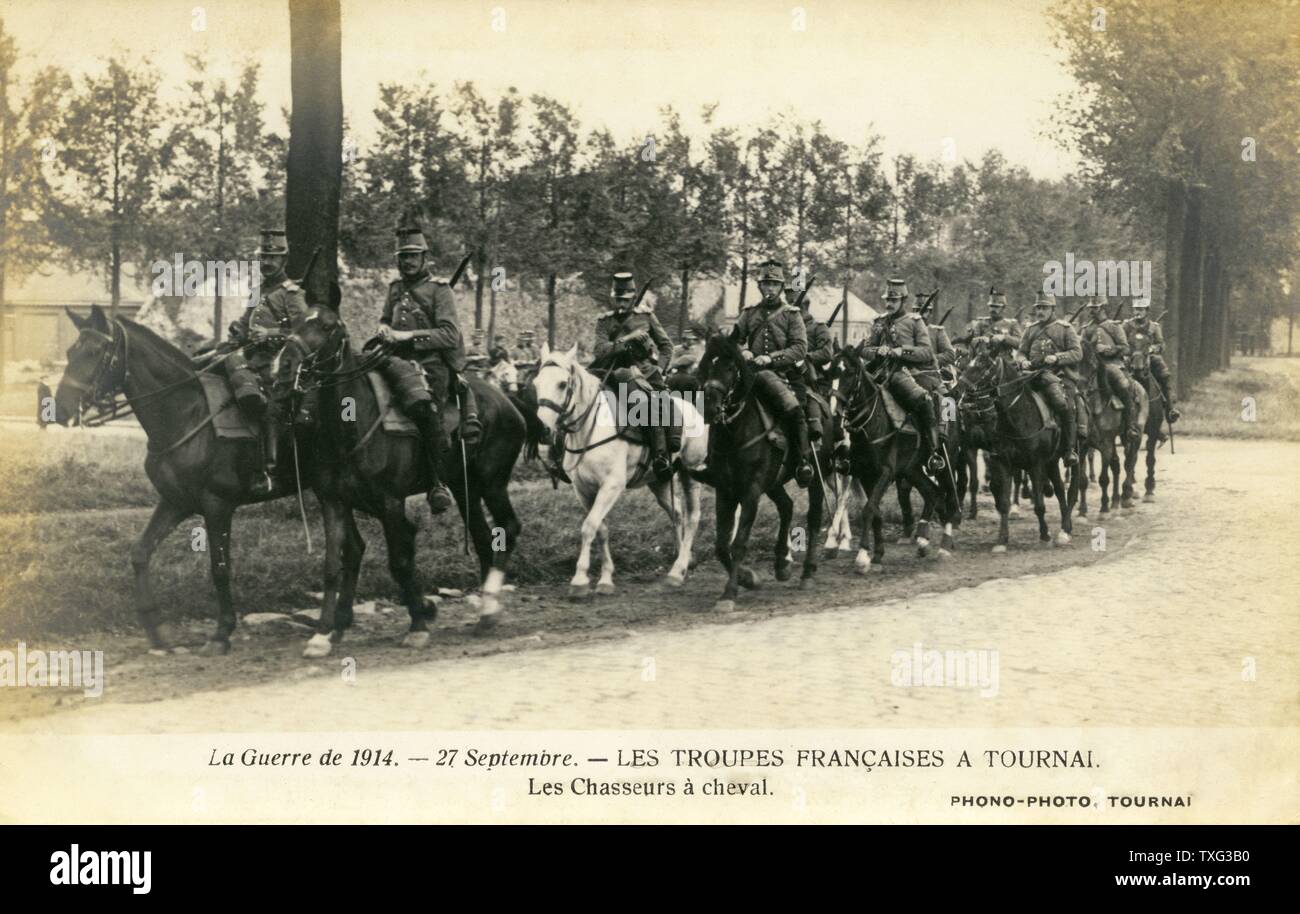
<point>1175,216</point>
<point>1207,355</point>
<point>315,169</point>
<point>1189,294</point>
<point>686,301</point>
<point>551,297</point>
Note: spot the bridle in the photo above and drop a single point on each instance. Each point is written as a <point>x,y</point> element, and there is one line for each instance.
<point>563,421</point>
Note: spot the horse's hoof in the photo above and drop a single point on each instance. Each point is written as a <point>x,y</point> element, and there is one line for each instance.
<point>579,593</point>
<point>999,549</point>
<point>1014,511</point>
<point>724,606</point>
<point>1062,539</point>
<point>846,552</point>
<point>214,648</point>
<point>747,579</point>
<point>782,573</point>
<point>160,651</point>
<point>486,624</point>
<point>604,588</point>
<point>416,640</point>
<point>806,583</point>
<point>675,580</point>
<point>876,568</point>
<point>318,646</point>
<point>922,548</point>
<point>944,553</point>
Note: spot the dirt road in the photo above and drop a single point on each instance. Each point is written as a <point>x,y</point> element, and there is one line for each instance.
<point>1187,617</point>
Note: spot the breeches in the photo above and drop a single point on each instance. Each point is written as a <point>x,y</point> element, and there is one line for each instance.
<point>776,393</point>
<point>907,391</point>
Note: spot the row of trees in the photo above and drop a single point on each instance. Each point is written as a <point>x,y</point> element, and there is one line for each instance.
<point>1189,125</point>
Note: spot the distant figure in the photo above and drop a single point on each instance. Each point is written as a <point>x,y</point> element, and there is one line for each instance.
<point>501,368</point>
<point>43,396</point>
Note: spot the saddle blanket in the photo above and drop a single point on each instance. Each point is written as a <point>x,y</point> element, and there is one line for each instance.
<point>900,418</point>
<point>227,419</point>
<point>396,422</point>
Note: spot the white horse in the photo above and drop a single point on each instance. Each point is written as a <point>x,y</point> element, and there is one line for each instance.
<point>601,463</point>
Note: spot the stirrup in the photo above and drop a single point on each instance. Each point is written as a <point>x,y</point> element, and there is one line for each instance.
<point>439,498</point>
<point>936,463</point>
<point>661,467</point>
<point>804,475</point>
<point>265,485</point>
<point>1173,415</point>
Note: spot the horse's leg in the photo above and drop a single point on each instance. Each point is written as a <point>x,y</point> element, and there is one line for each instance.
<point>1037,490</point>
<point>1114,473</point>
<point>691,496</point>
<point>666,495</point>
<point>873,521</point>
<point>833,530</point>
<point>1017,480</point>
<point>1152,441</point>
<point>604,583</point>
<point>504,518</point>
<point>903,489</point>
<point>785,519</point>
<point>740,542</point>
<point>599,505</point>
<point>1103,481</point>
<point>164,520</point>
<point>1079,480</point>
<point>1092,470</point>
<point>1002,485</point>
<point>399,534</point>
<point>816,508</point>
<point>217,514</point>
<point>354,550</point>
<point>972,480</point>
<point>1063,501</point>
<point>724,507</point>
<point>1131,447</point>
<point>334,517</point>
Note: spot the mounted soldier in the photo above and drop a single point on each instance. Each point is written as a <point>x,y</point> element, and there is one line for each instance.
<point>772,336</point>
<point>420,320</point>
<point>945,354</point>
<point>901,340</point>
<point>275,306</point>
<point>630,338</point>
<point>820,353</point>
<point>1052,346</point>
<point>995,324</point>
<point>687,355</point>
<point>1145,336</point>
<point>1107,346</point>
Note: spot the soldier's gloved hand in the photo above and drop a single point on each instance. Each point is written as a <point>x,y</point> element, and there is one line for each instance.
<point>385,333</point>
<point>1156,348</point>
<point>749,356</point>
<point>235,331</point>
<point>1105,350</point>
<point>763,361</point>
<point>1049,360</point>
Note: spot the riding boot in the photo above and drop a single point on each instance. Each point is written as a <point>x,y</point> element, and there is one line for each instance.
<point>797,428</point>
<point>1130,411</point>
<point>470,427</point>
<point>929,427</point>
<point>429,422</point>
<point>1070,435</point>
<point>659,463</point>
<point>1171,411</point>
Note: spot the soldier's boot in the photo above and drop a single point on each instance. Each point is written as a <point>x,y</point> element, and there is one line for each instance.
<point>1058,401</point>
<point>556,466</point>
<point>308,409</point>
<point>263,486</point>
<point>929,426</point>
<point>428,420</point>
<point>1131,417</point>
<point>1171,411</point>
<point>660,464</point>
<point>797,427</point>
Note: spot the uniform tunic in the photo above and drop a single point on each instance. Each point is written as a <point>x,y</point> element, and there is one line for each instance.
<point>426,304</point>
<point>987,327</point>
<point>820,348</point>
<point>280,304</point>
<point>778,333</point>
<point>650,358</point>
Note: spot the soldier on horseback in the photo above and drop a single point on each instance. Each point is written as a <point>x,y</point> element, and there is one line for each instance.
<point>772,336</point>
<point>994,325</point>
<point>945,354</point>
<point>258,334</point>
<point>635,334</point>
<point>1053,346</point>
<point>816,362</point>
<point>1109,347</point>
<point>902,340</point>
<point>1145,336</point>
<point>420,320</point>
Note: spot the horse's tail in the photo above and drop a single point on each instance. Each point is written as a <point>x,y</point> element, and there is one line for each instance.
<point>525,400</point>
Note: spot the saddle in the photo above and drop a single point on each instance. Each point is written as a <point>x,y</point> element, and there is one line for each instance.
<point>394,418</point>
<point>228,420</point>
<point>899,418</point>
<point>664,410</point>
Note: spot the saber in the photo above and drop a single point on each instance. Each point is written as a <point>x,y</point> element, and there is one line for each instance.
<point>460,270</point>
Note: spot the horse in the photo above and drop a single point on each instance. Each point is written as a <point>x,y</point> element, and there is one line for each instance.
<point>603,458</point>
<point>1000,416</point>
<point>964,463</point>
<point>361,466</point>
<point>748,457</point>
<point>879,455</point>
<point>1106,425</point>
<point>193,470</point>
<point>1140,367</point>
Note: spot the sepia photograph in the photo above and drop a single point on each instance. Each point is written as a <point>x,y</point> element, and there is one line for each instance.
<point>661,411</point>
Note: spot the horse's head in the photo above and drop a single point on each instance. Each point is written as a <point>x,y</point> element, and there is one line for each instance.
<point>555,383</point>
<point>316,342</point>
<point>723,374</point>
<point>95,369</point>
<point>982,368</point>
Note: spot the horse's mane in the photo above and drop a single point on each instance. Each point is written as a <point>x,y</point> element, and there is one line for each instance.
<point>168,349</point>
<point>724,346</point>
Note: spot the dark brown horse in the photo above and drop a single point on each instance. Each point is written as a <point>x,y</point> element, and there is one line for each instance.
<point>1108,437</point>
<point>880,455</point>
<point>194,471</point>
<point>1140,366</point>
<point>1001,417</point>
<point>362,467</point>
<point>745,463</point>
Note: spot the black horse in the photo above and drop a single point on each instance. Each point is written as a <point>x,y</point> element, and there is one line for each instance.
<point>194,471</point>
<point>361,466</point>
<point>1001,416</point>
<point>879,455</point>
<point>748,457</point>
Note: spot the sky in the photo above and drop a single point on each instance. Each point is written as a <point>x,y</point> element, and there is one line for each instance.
<point>945,79</point>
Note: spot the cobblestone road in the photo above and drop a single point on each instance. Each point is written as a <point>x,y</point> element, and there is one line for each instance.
<point>1195,624</point>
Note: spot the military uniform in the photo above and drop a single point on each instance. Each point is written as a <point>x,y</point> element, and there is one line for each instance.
<point>991,325</point>
<point>1056,339</point>
<point>916,373</point>
<point>1106,350</point>
<point>775,330</point>
<point>259,333</point>
<point>1145,336</point>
